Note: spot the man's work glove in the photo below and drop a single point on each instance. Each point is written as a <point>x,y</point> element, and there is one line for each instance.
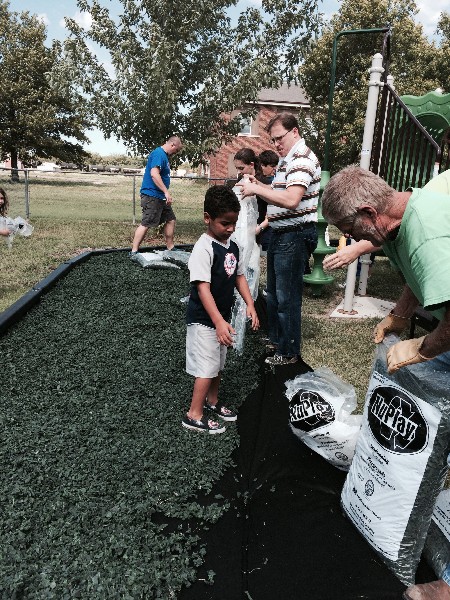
<point>405,353</point>
<point>390,324</point>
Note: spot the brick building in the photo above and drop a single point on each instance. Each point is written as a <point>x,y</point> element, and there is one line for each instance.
<point>253,135</point>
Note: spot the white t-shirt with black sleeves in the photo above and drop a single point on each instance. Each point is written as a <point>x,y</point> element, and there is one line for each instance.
<point>219,265</point>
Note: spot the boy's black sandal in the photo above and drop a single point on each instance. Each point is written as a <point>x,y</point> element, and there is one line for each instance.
<point>201,425</point>
<point>221,411</point>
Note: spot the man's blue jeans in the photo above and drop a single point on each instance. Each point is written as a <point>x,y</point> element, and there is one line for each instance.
<point>310,240</point>
<point>285,266</point>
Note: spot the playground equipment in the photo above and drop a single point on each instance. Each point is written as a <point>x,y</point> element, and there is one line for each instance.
<point>433,112</point>
<point>317,279</point>
<point>406,141</point>
<point>410,147</point>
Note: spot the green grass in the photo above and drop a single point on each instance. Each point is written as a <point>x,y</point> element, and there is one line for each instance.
<point>72,213</point>
<point>75,212</point>
<point>345,345</point>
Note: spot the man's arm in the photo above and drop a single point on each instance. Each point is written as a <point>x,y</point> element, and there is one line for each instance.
<point>347,255</point>
<point>287,198</point>
<point>406,304</point>
<point>243,289</point>
<point>438,341</point>
<point>157,180</point>
<point>411,352</point>
<point>224,330</point>
<point>397,320</point>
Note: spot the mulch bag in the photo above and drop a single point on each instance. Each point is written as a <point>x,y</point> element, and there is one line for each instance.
<point>320,407</point>
<point>154,260</point>
<point>437,545</point>
<point>244,236</point>
<point>17,226</point>
<point>400,461</point>
<point>178,257</point>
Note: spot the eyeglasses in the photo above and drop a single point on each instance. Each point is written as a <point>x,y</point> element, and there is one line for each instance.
<point>341,224</point>
<point>277,139</point>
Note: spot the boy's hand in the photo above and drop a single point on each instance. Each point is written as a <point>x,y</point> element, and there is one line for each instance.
<point>224,333</point>
<point>251,313</point>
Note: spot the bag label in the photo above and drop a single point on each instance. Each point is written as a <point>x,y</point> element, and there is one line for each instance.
<point>313,417</point>
<point>396,421</point>
<point>396,440</point>
<point>310,410</point>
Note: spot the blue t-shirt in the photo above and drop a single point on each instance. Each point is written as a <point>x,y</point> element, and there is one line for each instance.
<point>157,158</point>
<point>219,265</point>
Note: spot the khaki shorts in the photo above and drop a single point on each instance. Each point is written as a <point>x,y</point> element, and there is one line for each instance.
<point>155,211</point>
<point>205,357</point>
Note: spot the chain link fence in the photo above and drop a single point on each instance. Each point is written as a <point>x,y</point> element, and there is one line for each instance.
<point>91,195</point>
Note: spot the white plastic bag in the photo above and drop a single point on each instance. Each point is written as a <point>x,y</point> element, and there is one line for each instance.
<point>320,407</point>
<point>437,544</point>
<point>24,228</point>
<point>244,236</point>
<point>400,461</point>
<point>178,257</point>
<point>153,260</point>
<point>17,226</point>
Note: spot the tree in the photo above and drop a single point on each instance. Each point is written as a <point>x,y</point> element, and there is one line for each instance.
<point>442,58</point>
<point>411,64</point>
<point>36,117</point>
<point>179,69</point>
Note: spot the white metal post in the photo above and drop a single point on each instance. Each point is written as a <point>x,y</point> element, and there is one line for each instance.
<point>369,126</point>
<point>365,260</point>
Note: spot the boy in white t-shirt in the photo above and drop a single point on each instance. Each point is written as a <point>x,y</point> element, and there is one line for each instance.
<point>215,270</point>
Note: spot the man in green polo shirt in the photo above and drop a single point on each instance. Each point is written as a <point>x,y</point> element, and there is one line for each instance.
<point>413,228</point>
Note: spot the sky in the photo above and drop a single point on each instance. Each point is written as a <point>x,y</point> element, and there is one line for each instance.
<point>52,13</point>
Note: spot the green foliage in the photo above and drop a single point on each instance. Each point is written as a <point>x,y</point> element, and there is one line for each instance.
<point>99,481</point>
<point>413,66</point>
<point>35,114</point>
<point>442,60</point>
<point>179,70</point>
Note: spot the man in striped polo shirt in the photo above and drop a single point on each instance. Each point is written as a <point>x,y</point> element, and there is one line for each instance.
<point>292,213</point>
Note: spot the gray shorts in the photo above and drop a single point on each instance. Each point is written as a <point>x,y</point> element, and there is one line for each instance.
<point>205,357</point>
<point>155,211</point>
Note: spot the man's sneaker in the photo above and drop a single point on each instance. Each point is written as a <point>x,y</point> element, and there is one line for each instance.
<point>133,256</point>
<point>221,411</point>
<point>277,360</point>
<point>204,425</point>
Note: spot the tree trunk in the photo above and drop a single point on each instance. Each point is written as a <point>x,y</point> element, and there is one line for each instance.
<point>14,169</point>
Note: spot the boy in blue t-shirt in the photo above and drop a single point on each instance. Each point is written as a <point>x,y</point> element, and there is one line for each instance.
<point>215,270</point>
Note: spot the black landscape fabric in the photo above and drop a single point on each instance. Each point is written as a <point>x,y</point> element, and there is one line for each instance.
<point>285,535</point>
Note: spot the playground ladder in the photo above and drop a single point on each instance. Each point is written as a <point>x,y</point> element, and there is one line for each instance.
<point>403,153</point>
